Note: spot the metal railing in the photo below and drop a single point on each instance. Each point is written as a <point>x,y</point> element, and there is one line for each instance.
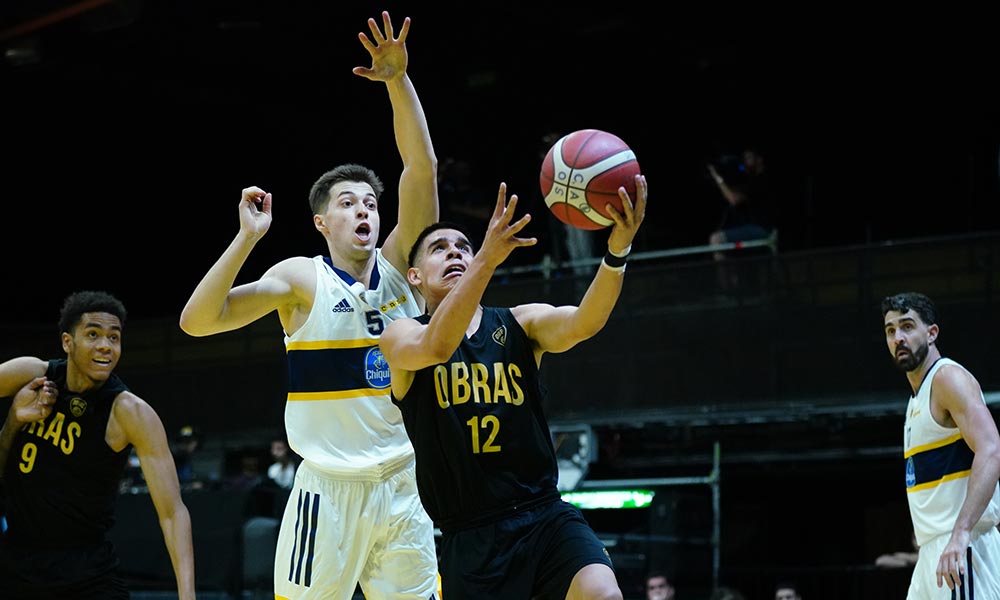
<point>547,266</point>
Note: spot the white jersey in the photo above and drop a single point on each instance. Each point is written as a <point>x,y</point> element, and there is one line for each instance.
<point>338,414</point>
<point>938,465</point>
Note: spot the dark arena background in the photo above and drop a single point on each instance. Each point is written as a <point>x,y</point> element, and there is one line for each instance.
<point>763,424</point>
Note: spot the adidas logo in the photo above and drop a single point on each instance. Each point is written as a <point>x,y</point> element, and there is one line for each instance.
<point>343,306</point>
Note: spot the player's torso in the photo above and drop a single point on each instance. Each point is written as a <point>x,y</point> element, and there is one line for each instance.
<point>61,477</point>
<point>477,425</point>
<point>938,464</point>
<point>338,414</point>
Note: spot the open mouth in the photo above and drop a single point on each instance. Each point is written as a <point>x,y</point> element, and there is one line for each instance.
<point>454,270</point>
<point>364,232</point>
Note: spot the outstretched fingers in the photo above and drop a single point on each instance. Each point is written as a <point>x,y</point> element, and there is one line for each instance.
<point>376,32</point>
<point>503,213</point>
<point>503,225</point>
<point>501,202</point>
<point>403,31</point>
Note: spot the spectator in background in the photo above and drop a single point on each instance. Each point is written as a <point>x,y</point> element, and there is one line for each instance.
<point>282,470</point>
<point>658,587</point>
<point>186,446</point>
<point>750,206</point>
<point>249,475</point>
<point>786,590</point>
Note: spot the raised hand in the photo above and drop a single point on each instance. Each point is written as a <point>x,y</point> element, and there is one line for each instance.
<point>501,235</point>
<point>389,56</point>
<point>255,211</point>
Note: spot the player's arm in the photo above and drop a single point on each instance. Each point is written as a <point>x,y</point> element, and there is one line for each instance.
<point>215,305</point>
<point>33,402</point>
<point>957,391</point>
<point>557,329</point>
<point>409,345</point>
<point>141,426</point>
<point>16,372</point>
<point>418,199</point>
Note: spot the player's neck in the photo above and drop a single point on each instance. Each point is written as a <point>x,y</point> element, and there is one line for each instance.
<point>79,383</point>
<point>359,267</point>
<point>476,316</point>
<point>916,376</point>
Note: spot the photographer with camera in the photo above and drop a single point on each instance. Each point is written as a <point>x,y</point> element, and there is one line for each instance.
<point>749,209</point>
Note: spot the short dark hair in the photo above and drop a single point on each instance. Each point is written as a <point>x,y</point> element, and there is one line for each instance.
<point>319,195</point>
<point>919,303</point>
<point>415,249</point>
<point>87,301</point>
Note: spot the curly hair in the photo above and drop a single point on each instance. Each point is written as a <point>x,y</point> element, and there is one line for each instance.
<point>78,303</point>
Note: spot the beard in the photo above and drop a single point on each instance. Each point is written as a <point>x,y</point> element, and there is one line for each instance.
<point>913,359</point>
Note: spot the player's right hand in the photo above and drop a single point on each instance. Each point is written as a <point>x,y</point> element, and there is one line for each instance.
<point>255,211</point>
<point>501,235</point>
<point>34,401</point>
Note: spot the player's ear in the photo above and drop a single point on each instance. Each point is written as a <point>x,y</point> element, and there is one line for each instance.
<point>318,222</point>
<point>413,276</point>
<point>932,333</point>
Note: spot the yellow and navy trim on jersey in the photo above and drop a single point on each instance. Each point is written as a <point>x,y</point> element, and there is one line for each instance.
<point>942,460</point>
<point>336,369</point>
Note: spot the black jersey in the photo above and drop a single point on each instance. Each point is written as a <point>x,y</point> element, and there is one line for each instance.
<point>61,478</point>
<point>483,446</point>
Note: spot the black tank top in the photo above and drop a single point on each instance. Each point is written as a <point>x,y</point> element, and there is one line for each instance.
<point>483,446</point>
<point>61,478</point>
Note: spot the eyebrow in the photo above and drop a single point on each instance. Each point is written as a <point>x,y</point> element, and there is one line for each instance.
<point>99,326</point>
<point>901,320</point>
<point>443,238</point>
<point>354,195</point>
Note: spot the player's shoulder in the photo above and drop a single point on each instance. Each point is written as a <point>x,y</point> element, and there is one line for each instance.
<point>129,401</point>
<point>531,308</point>
<point>293,270</point>
<point>952,377</point>
<point>525,314</point>
<point>293,264</point>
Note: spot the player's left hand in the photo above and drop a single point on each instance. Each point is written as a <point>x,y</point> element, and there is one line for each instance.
<point>389,56</point>
<point>627,222</point>
<point>951,566</point>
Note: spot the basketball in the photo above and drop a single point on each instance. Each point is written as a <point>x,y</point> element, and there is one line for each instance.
<point>581,175</point>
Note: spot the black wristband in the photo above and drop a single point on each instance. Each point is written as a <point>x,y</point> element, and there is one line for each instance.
<point>615,262</point>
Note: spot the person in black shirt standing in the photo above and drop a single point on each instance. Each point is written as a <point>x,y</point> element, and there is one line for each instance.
<point>465,378</point>
<point>749,210</point>
<point>61,471</point>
